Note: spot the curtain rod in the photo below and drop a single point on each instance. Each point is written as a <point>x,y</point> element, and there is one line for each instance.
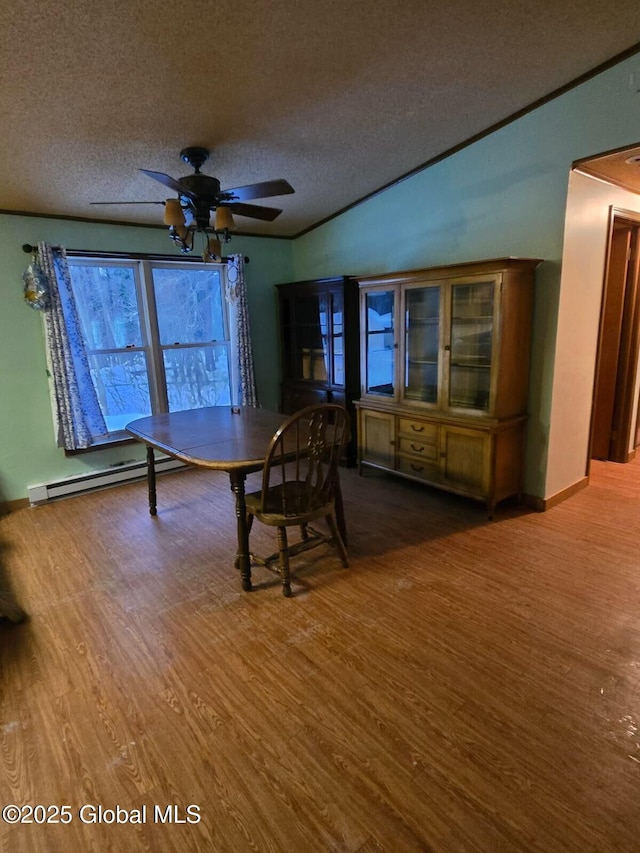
<point>138,256</point>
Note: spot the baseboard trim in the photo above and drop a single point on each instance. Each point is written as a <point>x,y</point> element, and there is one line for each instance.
<point>543,504</point>
<point>98,479</point>
<point>12,506</point>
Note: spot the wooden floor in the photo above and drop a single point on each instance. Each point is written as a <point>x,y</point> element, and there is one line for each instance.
<point>465,685</point>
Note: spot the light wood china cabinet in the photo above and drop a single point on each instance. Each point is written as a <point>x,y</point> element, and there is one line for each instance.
<point>444,360</point>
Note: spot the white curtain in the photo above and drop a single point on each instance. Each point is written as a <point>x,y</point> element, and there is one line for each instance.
<point>237,294</point>
<point>77,412</point>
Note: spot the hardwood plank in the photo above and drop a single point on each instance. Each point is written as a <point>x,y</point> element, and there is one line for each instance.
<point>464,686</point>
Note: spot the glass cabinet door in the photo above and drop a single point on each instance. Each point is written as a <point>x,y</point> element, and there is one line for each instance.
<point>379,342</point>
<point>422,343</point>
<point>337,337</point>
<point>471,345</point>
<point>310,338</point>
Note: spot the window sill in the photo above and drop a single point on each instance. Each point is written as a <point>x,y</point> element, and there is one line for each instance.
<point>116,439</point>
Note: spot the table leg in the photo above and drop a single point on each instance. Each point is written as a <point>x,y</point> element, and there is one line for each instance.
<point>243,560</point>
<point>151,480</point>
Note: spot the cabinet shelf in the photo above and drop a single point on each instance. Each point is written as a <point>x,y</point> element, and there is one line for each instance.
<point>474,364</point>
<point>387,389</point>
<point>465,402</point>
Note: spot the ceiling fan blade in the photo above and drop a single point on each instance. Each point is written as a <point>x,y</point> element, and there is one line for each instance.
<point>254,211</point>
<point>262,190</point>
<point>170,182</point>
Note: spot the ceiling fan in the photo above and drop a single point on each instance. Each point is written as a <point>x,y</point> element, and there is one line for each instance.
<point>199,196</point>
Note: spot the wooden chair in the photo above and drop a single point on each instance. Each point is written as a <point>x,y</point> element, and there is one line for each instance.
<point>300,484</point>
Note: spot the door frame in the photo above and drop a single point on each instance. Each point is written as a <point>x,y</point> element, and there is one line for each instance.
<point>624,411</point>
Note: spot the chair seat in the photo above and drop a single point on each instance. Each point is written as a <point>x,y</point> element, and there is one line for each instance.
<point>294,494</point>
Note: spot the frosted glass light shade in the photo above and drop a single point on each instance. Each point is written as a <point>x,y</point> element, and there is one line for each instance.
<point>224,219</point>
<point>214,247</point>
<point>173,213</point>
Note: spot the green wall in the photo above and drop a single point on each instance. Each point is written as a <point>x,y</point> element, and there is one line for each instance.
<point>504,195</point>
<point>28,454</point>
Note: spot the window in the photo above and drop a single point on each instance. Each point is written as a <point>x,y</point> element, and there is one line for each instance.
<point>157,336</point>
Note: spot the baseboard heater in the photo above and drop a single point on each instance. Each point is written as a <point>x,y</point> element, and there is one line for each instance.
<point>70,486</point>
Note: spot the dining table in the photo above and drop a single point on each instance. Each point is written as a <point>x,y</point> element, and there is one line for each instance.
<point>234,439</point>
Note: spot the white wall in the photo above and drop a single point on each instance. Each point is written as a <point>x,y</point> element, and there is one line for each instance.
<point>583,262</point>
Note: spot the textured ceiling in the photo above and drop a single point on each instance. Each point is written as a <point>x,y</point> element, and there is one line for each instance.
<point>339,97</point>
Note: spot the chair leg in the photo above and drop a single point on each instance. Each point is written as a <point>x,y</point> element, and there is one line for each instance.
<point>337,540</point>
<point>283,550</point>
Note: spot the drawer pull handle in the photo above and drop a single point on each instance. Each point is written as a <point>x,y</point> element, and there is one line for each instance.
<point>417,429</point>
<point>417,467</point>
<point>418,449</point>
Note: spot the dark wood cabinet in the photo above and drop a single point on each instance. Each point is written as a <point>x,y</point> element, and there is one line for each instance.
<point>319,343</point>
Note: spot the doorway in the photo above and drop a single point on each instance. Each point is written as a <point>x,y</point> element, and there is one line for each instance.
<point>614,425</point>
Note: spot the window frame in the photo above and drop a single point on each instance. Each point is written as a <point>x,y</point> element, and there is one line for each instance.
<point>151,347</point>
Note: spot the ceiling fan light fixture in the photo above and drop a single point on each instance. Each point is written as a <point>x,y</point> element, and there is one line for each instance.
<point>199,196</point>
<point>214,249</point>
<point>173,213</point>
<point>224,219</point>
<point>182,237</point>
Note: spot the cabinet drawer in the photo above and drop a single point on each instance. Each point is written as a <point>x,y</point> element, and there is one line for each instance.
<point>418,447</point>
<point>413,467</point>
<point>424,431</point>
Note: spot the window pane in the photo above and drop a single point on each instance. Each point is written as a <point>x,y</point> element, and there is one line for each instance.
<point>107,306</point>
<point>122,386</point>
<point>197,377</point>
<point>189,305</point>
